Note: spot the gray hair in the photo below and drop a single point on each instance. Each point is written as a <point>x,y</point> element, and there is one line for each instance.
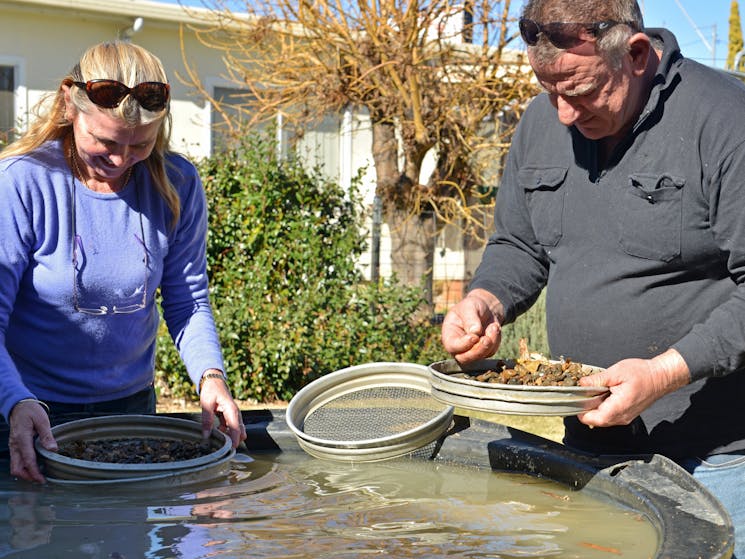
<point>612,46</point>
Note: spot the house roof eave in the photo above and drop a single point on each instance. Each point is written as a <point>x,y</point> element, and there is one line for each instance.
<point>153,11</point>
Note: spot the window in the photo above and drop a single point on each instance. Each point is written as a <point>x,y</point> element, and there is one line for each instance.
<point>319,146</point>
<point>230,100</point>
<point>316,145</point>
<point>7,101</point>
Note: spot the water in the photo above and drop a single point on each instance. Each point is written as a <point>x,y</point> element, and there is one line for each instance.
<point>292,505</point>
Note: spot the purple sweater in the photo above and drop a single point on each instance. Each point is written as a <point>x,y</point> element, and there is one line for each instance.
<point>49,350</point>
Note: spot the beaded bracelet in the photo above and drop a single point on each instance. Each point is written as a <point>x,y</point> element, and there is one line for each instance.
<point>205,376</point>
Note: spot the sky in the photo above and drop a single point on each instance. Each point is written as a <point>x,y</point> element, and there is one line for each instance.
<point>701,26</point>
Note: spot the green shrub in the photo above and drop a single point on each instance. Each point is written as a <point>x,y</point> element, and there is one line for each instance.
<point>532,327</point>
<point>289,300</point>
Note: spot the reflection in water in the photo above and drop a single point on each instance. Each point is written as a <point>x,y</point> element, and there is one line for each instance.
<point>292,505</point>
<point>25,524</point>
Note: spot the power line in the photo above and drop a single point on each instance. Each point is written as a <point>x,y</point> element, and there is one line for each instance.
<point>695,27</point>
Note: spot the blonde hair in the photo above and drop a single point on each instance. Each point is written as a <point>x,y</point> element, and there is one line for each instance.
<point>121,61</point>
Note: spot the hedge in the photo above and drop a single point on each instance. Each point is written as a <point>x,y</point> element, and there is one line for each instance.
<point>289,299</point>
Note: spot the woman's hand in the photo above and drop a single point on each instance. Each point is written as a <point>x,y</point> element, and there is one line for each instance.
<point>27,419</point>
<point>216,400</point>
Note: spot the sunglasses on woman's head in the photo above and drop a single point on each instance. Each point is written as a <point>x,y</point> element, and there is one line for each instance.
<point>152,96</point>
<point>564,34</point>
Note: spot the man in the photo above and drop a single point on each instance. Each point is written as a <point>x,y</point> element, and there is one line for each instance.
<point>630,209</point>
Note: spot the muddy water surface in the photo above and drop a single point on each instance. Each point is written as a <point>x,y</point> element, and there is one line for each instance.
<point>293,505</point>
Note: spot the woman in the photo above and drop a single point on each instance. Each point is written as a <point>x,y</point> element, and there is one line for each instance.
<point>97,216</point>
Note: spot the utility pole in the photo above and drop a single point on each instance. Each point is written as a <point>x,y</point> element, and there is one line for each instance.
<point>711,48</point>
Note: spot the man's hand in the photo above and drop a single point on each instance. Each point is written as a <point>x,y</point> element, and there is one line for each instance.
<point>635,384</point>
<point>471,329</point>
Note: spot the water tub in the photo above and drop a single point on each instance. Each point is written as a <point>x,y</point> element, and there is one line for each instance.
<point>688,520</point>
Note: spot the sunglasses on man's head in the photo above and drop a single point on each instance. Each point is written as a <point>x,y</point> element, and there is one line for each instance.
<point>152,96</point>
<point>564,34</point>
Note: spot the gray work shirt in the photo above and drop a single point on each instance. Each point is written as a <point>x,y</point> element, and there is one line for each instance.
<point>644,254</point>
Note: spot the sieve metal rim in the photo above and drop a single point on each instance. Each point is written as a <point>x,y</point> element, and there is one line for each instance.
<point>175,478</point>
<point>443,379</point>
<point>374,454</point>
<point>356,377</point>
<point>508,407</point>
<point>123,426</point>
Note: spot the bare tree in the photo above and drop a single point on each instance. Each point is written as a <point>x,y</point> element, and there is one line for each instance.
<point>431,74</point>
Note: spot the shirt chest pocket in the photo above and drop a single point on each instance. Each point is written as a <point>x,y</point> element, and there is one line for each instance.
<point>652,216</point>
<point>544,197</point>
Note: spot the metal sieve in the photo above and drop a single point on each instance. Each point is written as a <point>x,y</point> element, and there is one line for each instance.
<point>368,412</point>
<point>65,469</point>
<point>511,399</point>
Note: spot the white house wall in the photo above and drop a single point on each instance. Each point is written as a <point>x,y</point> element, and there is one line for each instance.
<point>42,39</point>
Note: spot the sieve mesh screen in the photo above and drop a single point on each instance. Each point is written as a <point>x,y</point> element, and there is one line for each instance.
<point>372,413</point>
